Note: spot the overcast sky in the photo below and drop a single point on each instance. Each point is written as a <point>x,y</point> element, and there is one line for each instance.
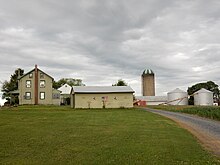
<point>101,41</point>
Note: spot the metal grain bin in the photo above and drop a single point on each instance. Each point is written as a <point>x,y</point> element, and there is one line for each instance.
<point>177,97</point>
<point>203,97</point>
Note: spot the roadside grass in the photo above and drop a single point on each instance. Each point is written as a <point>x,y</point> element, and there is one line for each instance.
<point>61,135</point>
<point>211,112</point>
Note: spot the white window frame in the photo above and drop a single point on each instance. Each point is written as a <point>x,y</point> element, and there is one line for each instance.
<point>28,85</point>
<point>26,95</point>
<point>42,83</point>
<point>42,95</point>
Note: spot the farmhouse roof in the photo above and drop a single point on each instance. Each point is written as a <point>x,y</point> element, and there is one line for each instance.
<point>32,71</point>
<point>102,89</point>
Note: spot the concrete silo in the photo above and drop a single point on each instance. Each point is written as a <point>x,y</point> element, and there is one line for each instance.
<point>203,97</point>
<point>148,83</point>
<point>177,97</point>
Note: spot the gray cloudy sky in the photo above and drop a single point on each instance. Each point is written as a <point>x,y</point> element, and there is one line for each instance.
<point>101,41</point>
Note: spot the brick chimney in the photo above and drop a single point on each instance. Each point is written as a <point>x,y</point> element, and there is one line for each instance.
<point>36,85</point>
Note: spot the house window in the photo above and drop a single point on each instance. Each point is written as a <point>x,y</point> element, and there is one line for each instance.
<point>42,95</point>
<point>41,75</point>
<point>27,96</point>
<point>30,75</point>
<point>56,96</point>
<point>42,83</point>
<point>28,83</point>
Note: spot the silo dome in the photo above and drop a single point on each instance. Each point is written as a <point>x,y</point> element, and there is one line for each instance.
<point>148,72</point>
<point>177,97</point>
<point>203,97</point>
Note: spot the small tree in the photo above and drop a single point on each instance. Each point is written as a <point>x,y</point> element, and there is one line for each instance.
<point>209,85</point>
<point>120,83</point>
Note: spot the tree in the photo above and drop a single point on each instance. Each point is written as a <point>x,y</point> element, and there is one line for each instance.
<point>9,86</point>
<point>69,81</point>
<point>209,85</point>
<point>120,83</point>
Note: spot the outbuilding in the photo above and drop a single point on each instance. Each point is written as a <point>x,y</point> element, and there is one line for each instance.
<point>152,100</point>
<point>102,97</point>
<point>203,97</point>
<point>177,97</point>
<point>65,94</point>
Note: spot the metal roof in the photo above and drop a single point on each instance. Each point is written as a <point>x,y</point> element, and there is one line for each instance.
<point>148,71</point>
<point>102,89</point>
<point>65,89</point>
<point>203,90</point>
<point>177,90</point>
<point>152,98</point>
<point>14,92</point>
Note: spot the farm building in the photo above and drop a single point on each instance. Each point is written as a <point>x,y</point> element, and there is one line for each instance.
<point>203,97</point>
<point>102,97</point>
<point>35,87</point>
<point>177,97</point>
<point>152,100</point>
<point>65,94</point>
<point>148,83</point>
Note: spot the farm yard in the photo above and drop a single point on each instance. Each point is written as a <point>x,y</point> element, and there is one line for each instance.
<point>61,135</point>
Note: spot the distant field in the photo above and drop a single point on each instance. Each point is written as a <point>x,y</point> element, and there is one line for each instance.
<point>211,112</point>
<point>61,135</point>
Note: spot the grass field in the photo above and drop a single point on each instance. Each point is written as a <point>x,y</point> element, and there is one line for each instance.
<point>61,135</point>
<point>211,112</point>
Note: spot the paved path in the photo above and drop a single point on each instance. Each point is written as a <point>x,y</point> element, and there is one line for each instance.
<point>206,130</point>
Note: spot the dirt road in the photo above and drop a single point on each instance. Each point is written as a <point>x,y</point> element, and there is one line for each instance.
<point>206,130</point>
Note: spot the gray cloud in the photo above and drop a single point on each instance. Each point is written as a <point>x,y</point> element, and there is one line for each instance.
<point>102,41</point>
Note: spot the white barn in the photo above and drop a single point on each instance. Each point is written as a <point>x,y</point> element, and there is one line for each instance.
<point>152,100</point>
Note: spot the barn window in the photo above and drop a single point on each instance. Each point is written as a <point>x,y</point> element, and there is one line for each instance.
<point>30,75</point>
<point>28,83</point>
<point>41,75</point>
<point>27,96</point>
<point>42,83</point>
<point>42,95</point>
<point>56,96</point>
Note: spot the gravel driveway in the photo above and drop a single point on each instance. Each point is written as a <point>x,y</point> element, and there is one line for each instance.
<point>206,130</point>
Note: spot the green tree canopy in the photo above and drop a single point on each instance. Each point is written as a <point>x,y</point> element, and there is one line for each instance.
<point>120,83</point>
<point>69,81</point>
<point>12,84</point>
<point>209,85</point>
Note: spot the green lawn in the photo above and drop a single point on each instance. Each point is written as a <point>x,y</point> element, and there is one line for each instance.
<point>61,135</point>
